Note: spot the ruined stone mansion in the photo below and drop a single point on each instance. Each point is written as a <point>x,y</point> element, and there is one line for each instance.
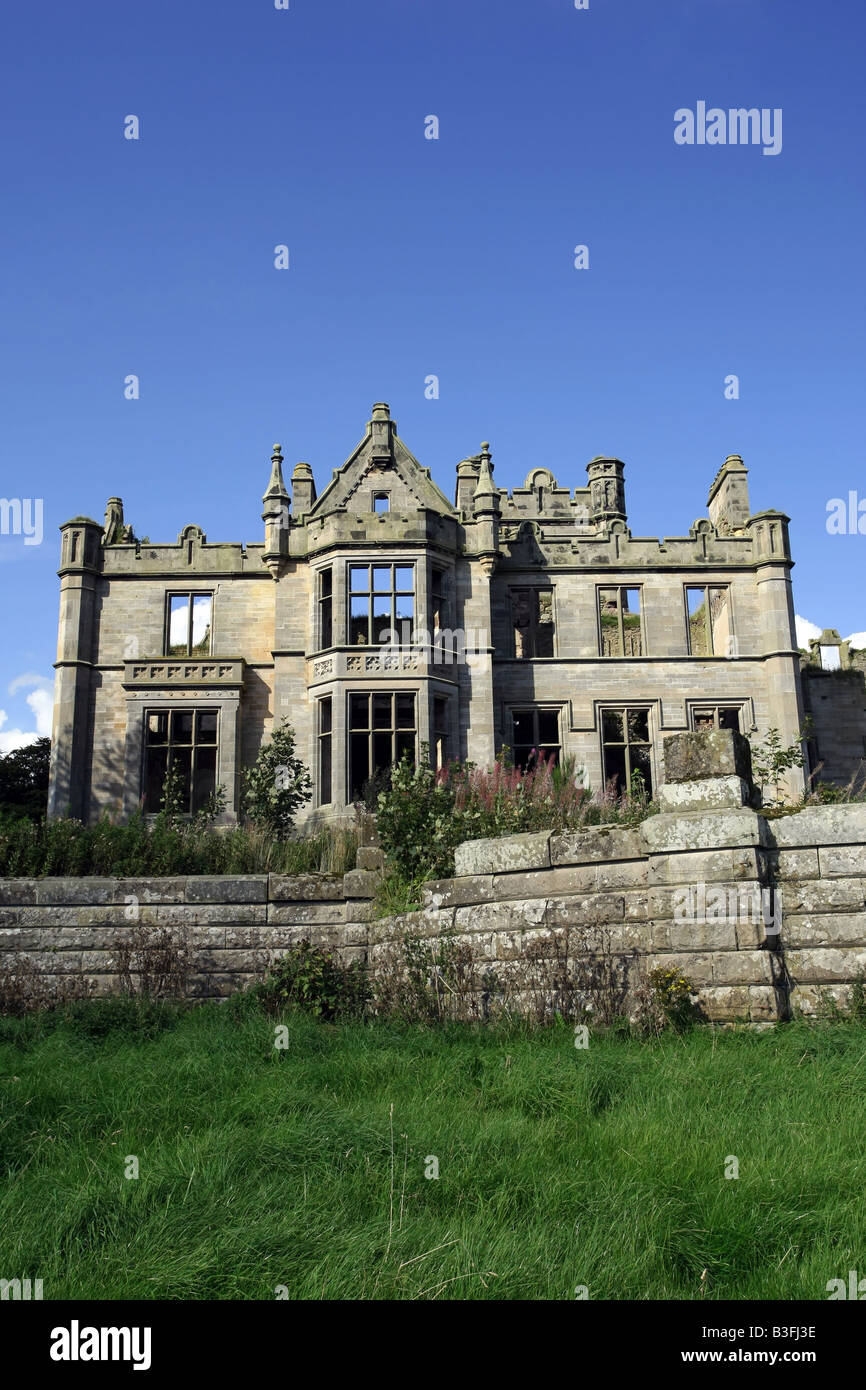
<point>381,615</point>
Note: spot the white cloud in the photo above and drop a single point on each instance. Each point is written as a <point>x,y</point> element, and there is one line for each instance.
<point>806,630</point>
<point>28,678</point>
<point>11,739</point>
<point>857,639</point>
<point>41,702</point>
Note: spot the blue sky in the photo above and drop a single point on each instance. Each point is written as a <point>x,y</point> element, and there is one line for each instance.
<point>412,257</point>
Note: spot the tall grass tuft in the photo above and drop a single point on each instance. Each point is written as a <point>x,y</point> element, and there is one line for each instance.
<point>169,845</point>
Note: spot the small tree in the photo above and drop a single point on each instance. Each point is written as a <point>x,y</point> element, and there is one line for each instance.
<point>770,760</point>
<point>277,784</point>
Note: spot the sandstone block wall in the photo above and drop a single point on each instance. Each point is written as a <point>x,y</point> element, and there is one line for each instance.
<point>684,891</point>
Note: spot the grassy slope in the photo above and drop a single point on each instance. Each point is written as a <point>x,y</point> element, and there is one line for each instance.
<point>558,1167</point>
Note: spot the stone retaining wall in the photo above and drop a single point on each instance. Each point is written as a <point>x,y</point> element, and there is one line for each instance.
<point>231,923</point>
<point>764,915</point>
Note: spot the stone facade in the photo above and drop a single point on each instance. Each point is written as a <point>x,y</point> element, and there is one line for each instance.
<point>834,697</point>
<point>764,916</point>
<point>532,618</point>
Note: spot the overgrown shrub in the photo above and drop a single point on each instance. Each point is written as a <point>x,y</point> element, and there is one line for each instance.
<point>310,978</point>
<point>277,785</point>
<point>673,993</point>
<point>771,759</point>
<point>153,962</point>
<point>424,814</point>
<point>432,980</point>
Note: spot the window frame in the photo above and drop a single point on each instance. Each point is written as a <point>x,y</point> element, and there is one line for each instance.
<point>394,731</point>
<point>325,749</point>
<point>393,594</point>
<point>727,587</point>
<point>542,707</point>
<point>700,707</point>
<point>324,603</point>
<point>195,746</point>
<point>190,595</point>
<point>622,655</point>
<point>440,729</point>
<point>637,706</point>
<point>535,590</point>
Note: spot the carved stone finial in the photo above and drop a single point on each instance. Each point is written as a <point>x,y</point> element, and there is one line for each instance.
<point>114,526</point>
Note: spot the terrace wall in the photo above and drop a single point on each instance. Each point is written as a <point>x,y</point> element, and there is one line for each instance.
<point>623,892</point>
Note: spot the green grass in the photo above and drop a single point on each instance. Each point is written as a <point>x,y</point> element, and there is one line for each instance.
<point>558,1167</point>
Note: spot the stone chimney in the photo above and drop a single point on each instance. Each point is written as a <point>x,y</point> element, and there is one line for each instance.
<point>303,489</point>
<point>467,480</point>
<point>729,497</point>
<point>381,434</point>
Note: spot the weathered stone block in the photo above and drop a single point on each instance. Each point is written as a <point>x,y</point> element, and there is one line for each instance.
<point>259,938</point>
<point>824,929</point>
<point>702,936</point>
<point>741,968</point>
<point>209,914</point>
<point>751,934</point>
<point>711,793</point>
<point>516,915</point>
<point>842,861</point>
<point>360,883</point>
<point>213,986</point>
<point>703,830</point>
<point>725,1004</point>
<point>16,892</point>
<point>763,1004</point>
<point>96,962</point>
<point>228,888</point>
<point>361,910</point>
<point>57,962</point>
<point>585,910</point>
<point>792,863</point>
<point>150,890</point>
<point>695,756</point>
<point>66,892</point>
<point>457,892</point>
<point>695,966</point>
<point>815,999</point>
<point>824,895</point>
<point>829,963</point>
<point>707,866</point>
<point>504,855</point>
<point>637,907</point>
<point>370,857</point>
<point>305,887</point>
<point>821,825</point>
<point>306,914</point>
<point>614,877</point>
<point>537,883</point>
<point>367,830</point>
<point>597,842</point>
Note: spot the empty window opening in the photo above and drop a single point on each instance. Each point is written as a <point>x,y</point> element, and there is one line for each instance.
<point>619,616</point>
<point>627,751</point>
